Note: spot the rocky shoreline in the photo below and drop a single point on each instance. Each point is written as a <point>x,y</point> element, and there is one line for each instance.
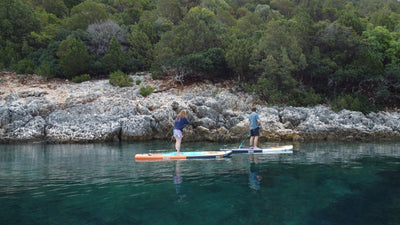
<point>34,109</point>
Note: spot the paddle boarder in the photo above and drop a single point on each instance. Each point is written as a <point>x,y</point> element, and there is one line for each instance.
<point>180,122</point>
<point>255,123</point>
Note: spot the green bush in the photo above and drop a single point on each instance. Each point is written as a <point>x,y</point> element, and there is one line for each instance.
<point>138,82</point>
<point>25,66</point>
<point>45,70</point>
<point>81,78</point>
<point>120,79</point>
<point>145,91</point>
<point>355,103</point>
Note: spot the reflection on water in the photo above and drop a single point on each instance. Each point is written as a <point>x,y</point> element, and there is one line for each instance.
<point>254,176</point>
<point>178,182</point>
<point>320,183</point>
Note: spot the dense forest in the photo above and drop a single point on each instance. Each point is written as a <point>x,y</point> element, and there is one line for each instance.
<point>288,52</point>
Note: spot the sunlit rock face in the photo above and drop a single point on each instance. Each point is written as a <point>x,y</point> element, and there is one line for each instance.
<point>96,111</point>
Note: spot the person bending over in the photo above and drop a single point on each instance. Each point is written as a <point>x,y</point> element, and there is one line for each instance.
<point>180,122</point>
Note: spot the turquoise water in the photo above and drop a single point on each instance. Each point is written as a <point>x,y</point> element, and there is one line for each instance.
<point>320,183</point>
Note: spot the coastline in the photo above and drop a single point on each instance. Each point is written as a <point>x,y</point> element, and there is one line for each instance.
<point>34,109</point>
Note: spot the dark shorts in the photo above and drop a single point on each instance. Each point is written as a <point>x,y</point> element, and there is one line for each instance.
<point>255,132</point>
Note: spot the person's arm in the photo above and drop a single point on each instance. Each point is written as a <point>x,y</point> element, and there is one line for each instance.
<point>186,121</point>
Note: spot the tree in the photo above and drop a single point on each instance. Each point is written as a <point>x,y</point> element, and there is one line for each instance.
<point>275,61</point>
<point>198,32</point>
<point>286,7</point>
<point>71,3</point>
<point>263,11</point>
<point>381,45</point>
<point>140,47</point>
<point>129,11</point>
<point>9,55</point>
<point>250,24</point>
<point>115,59</point>
<point>56,7</point>
<point>338,42</point>
<point>238,55</point>
<point>46,61</point>
<point>352,19</point>
<point>18,20</point>
<point>385,18</point>
<point>74,58</point>
<point>277,37</point>
<point>100,35</point>
<point>171,10</point>
<point>86,13</point>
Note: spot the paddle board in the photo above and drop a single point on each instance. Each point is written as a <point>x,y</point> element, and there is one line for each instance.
<point>265,150</point>
<point>182,155</point>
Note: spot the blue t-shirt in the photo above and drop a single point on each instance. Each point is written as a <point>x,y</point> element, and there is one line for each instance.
<point>180,124</point>
<point>253,120</point>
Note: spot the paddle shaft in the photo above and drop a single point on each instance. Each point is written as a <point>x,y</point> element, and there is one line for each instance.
<point>244,141</point>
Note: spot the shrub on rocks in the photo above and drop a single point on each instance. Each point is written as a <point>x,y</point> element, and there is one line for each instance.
<point>81,78</point>
<point>120,79</point>
<point>146,90</point>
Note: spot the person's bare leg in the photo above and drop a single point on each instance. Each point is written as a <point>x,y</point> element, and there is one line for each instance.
<point>178,145</point>
<point>251,141</point>
<point>256,142</point>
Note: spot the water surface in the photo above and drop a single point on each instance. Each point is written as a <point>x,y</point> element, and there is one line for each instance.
<point>320,183</point>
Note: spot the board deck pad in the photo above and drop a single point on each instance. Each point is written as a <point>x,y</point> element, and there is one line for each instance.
<point>265,150</point>
<point>182,155</point>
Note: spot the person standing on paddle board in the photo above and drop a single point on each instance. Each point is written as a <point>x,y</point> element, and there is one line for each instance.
<point>255,122</point>
<point>180,122</point>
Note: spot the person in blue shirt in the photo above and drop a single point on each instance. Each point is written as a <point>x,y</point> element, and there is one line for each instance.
<point>180,122</point>
<point>255,122</point>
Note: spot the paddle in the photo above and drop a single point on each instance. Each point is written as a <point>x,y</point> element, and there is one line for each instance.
<point>244,141</point>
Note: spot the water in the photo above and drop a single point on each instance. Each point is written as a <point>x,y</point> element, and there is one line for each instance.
<point>321,183</point>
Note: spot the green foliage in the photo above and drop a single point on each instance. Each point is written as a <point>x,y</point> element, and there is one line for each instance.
<point>120,79</point>
<point>86,13</point>
<point>50,27</point>
<point>288,52</point>
<point>238,55</point>
<point>115,58</point>
<point>146,90</point>
<point>81,78</point>
<point>309,98</point>
<point>138,82</point>
<point>46,61</point>
<point>71,3</point>
<point>18,20</point>
<point>9,54</point>
<point>382,45</point>
<point>45,70</point>
<point>210,62</point>
<point>198,32</point>
<point>56,7</point>
<point>140,47</point>
<point>25,66</point>
<point>171,10</point>
<point>354,103</point>
<point>74,58</point>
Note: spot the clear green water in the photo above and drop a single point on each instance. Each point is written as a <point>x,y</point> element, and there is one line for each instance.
<point>321,183</point>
